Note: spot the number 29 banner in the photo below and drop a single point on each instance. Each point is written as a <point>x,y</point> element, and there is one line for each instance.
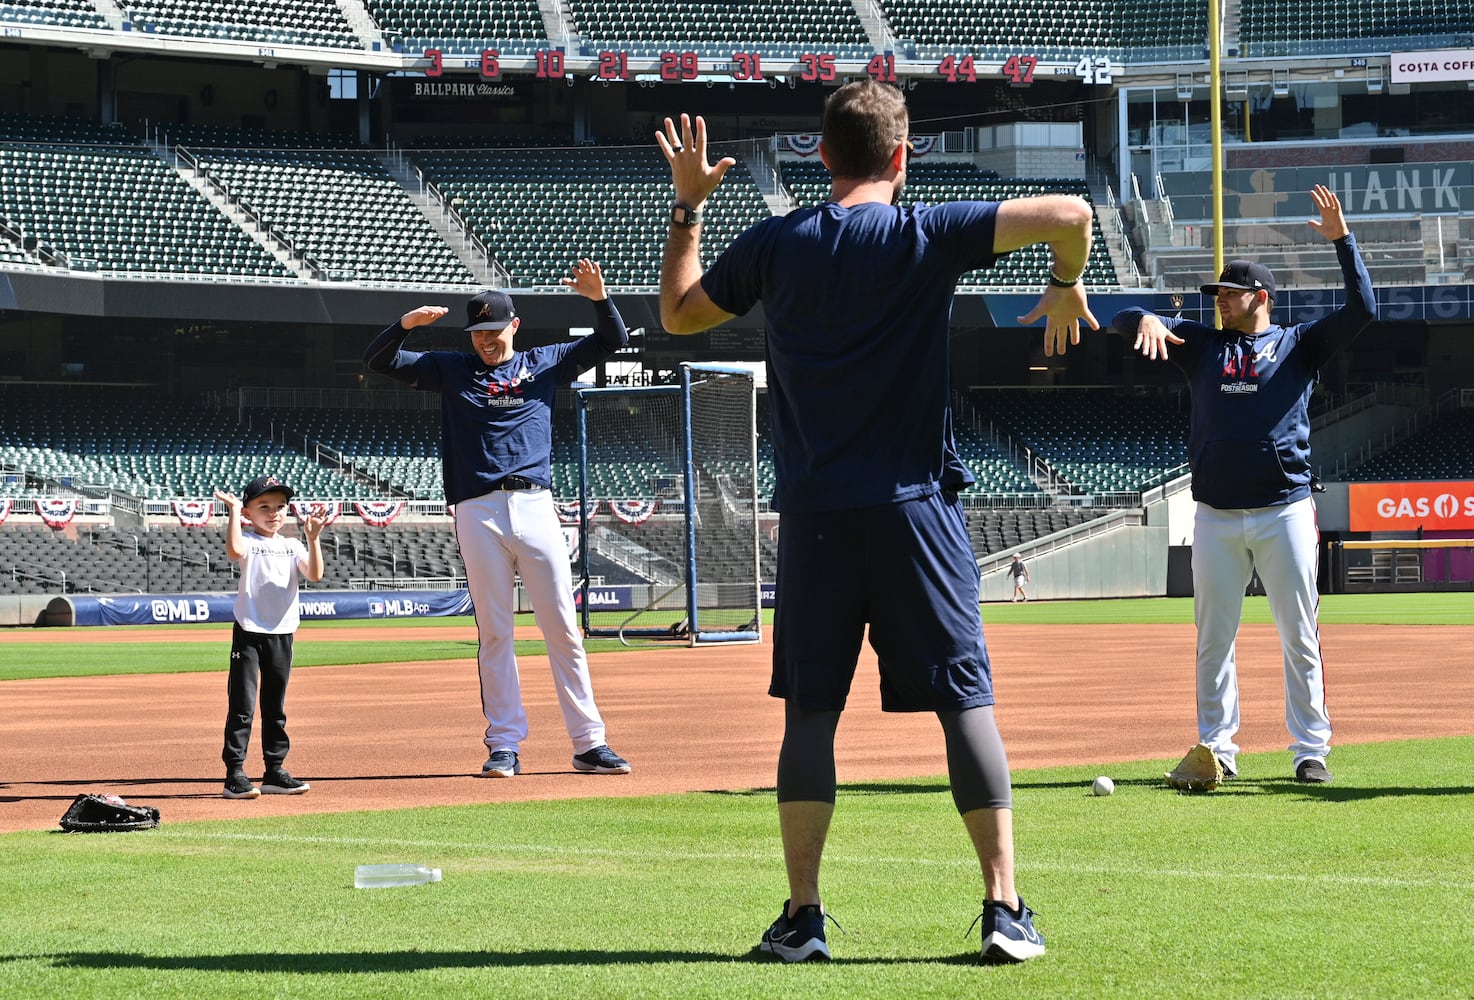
<point>1432,506</point>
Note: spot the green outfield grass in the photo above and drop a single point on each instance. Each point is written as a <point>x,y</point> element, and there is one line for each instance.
<point>317,646</point>
<point>1265,888</point>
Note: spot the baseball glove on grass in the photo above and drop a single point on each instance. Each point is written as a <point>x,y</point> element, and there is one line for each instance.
<point>1199,771</point>
<point>107,814</point>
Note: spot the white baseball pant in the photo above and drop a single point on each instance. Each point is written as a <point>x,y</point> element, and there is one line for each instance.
<point>501,534</point>
<point>1228,546</point>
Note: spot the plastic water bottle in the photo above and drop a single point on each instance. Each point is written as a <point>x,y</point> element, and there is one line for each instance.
<point>390,876</point>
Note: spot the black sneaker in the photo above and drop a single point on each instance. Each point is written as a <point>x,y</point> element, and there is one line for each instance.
<point>1312,772</point>
<point>601,760</point>
<point>799,938</point>
<point>238,786</point>
<point>1229,771</point>
<point>1008,936</point>
<point>278,782</point>
<point>501,764</point>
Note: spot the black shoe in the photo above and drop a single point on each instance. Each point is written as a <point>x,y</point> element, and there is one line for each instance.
<point>799,938</point>
<point>601,760</point>
<point>1312,772</point>
<point>238,786</point>
<point>278,782</point>
<point>1228,769</point>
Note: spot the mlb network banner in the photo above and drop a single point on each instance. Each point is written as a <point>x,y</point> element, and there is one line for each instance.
<point>1445,506</point>
<point>173,609</point>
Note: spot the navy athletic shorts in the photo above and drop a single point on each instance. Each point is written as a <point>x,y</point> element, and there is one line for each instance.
<point>908,570</point>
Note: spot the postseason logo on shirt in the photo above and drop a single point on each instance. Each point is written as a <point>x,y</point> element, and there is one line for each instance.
<point>504,393</point>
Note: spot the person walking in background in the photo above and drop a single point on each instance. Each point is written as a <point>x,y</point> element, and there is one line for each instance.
<point>1020,574</point>
<point>496,408</point>
<point>266,620</point>
<point>857,295</point>
<point>1249,452</point>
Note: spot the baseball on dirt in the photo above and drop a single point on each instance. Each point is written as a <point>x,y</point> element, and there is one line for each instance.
<point>1102,786</point>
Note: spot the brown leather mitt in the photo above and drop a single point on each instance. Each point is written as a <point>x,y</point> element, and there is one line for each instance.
<point>1199,771</point>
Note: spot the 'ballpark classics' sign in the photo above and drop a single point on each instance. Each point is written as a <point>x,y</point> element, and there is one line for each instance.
<point>1409,506</point>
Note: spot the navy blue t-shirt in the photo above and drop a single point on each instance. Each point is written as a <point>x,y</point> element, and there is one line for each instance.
<point>1249,441</point>
<point>858,303</point>
<point>496,422</point>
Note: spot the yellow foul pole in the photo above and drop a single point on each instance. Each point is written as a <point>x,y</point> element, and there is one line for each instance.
<point>1215,128</point>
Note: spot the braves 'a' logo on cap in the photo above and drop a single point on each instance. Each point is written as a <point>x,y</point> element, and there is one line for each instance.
<point>484,312</point>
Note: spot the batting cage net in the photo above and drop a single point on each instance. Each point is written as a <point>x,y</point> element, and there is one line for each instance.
<point>668,537</point>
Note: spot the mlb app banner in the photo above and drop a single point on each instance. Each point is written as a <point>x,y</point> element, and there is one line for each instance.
<point>1435,506</point>
<point>175,609</point>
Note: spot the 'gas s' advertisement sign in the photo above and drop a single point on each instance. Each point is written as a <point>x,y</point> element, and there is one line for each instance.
<point>1447,506</point>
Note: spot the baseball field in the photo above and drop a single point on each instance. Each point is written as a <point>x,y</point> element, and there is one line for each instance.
<point>659,883</point>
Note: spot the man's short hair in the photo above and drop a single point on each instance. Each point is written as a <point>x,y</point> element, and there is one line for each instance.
<point>863,122</point>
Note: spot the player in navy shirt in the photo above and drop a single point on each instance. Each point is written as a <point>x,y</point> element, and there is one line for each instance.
<point>1249,452</point>
<point>857,294</point>
<point>496,442</point>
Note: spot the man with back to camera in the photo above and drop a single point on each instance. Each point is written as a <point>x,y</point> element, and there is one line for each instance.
<point>857,295</point>
<point>1249,452</point>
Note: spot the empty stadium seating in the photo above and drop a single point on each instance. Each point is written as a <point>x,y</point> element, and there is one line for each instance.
<point>1274,28</point>
<point>1155,29</point>
<point>332,199</point>
<point>319,23</point>
<point>508,26</point>
<point>149,447</point>
<point>539,209</point>
<point>1099,441</point>
<point>778,29</point>
<point>90,192</point>
<point>1444,451</point>
<point>57,13</point>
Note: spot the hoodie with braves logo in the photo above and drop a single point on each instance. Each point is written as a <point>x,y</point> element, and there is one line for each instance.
<point>1249,441</point>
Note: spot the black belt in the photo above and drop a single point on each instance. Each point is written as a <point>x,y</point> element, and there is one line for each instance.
<point>515,483</point>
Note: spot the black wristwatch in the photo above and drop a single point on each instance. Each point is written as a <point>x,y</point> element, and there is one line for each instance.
<point>684,215</point>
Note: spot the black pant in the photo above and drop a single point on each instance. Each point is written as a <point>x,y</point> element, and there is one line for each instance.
<point>263,662</point>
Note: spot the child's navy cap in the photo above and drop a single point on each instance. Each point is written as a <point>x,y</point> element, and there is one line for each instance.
<point>265,484</point>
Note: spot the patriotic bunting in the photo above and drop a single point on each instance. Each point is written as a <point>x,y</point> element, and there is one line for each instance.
<point>378,512</point>
<point>58,512</point>
<point>194,513</point>
<point>633,511</point>
<point>568,512</point>
<point>804,144</point>
<point>329,508</point>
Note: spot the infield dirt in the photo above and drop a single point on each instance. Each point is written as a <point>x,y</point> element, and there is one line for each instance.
<point>400,735</point>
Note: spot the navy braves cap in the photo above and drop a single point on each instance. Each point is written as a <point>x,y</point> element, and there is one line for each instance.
<point>491,310</point>
<point>1244,275</point>
<point>265,484</point>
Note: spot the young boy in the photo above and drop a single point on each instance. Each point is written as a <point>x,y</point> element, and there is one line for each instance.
<point>266,617</point>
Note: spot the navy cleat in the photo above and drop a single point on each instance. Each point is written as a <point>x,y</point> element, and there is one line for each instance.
<point>600,760</point>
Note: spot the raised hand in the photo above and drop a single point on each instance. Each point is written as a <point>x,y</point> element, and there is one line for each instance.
<point>1332,223</point>
<point>685,149</point>
<point>587,279</point>
<point>1152,338</point>
<point>1063,309</point>
<point>423,316</point>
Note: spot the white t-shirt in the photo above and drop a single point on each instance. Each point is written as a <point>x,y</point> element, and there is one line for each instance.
<point>267,598</point>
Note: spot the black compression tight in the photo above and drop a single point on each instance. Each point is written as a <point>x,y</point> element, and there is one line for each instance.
<point>976,760</point>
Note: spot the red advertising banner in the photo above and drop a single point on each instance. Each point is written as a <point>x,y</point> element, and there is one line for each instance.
<point>1445,506</point>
